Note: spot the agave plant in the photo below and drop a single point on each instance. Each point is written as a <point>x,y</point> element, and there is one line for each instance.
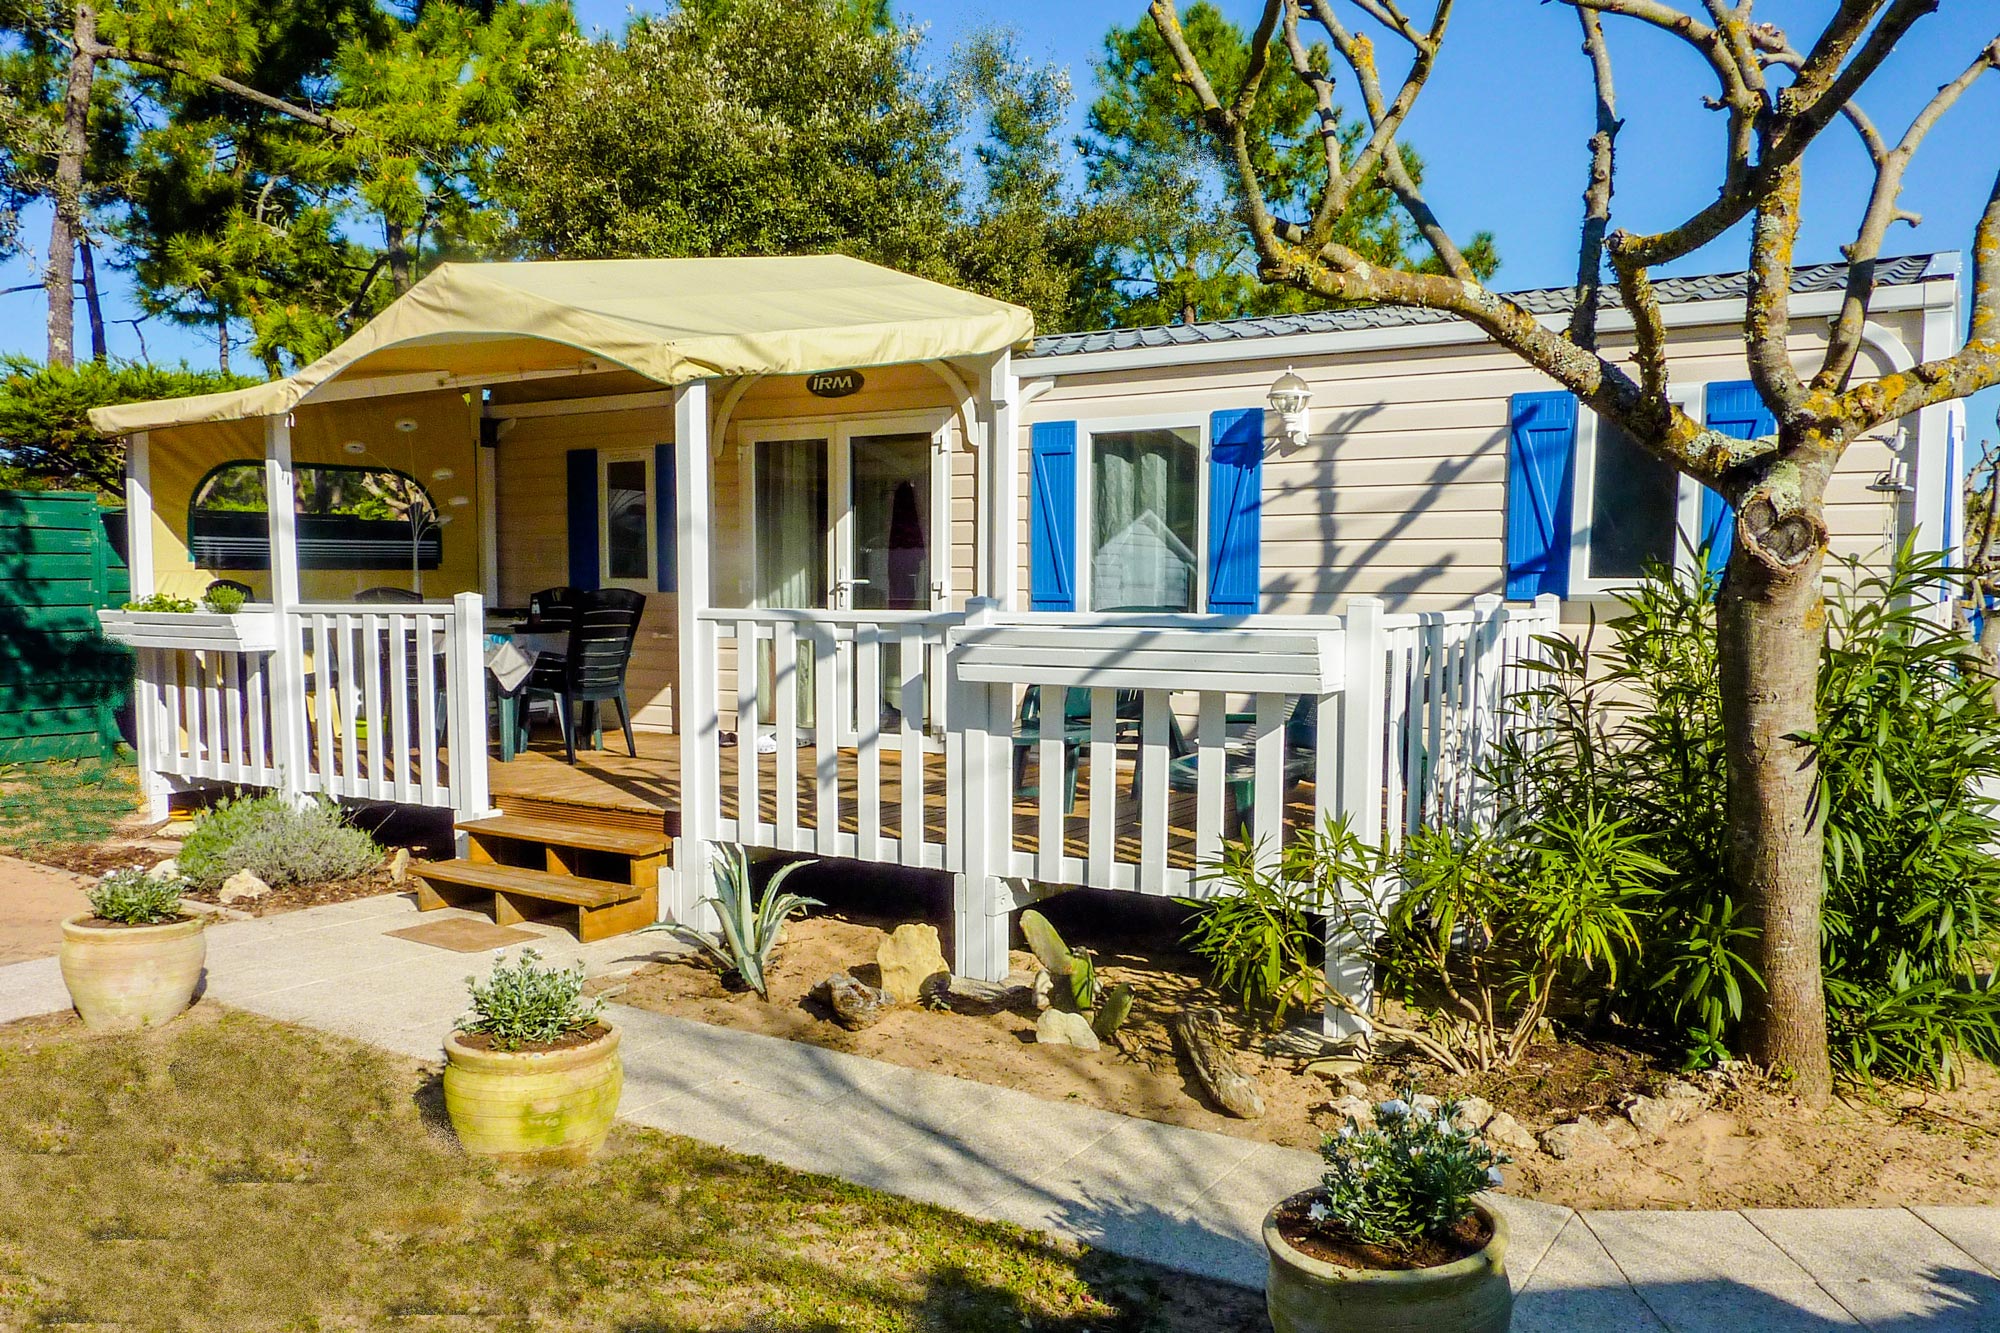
<point>750,925</point>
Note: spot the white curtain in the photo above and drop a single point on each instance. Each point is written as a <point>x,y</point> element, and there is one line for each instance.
<point>791,518</point>
<point>1143,490</point>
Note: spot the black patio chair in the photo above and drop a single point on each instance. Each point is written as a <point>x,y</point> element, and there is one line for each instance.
<point>592,671</point>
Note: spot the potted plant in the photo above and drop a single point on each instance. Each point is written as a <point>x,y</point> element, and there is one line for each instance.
<point>1394,1237</point>
<point>134,959</point>
<point>532,1072</point>
<point>220,622</point>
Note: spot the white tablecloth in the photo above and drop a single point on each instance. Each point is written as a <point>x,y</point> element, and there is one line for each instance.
<point>510,654</point>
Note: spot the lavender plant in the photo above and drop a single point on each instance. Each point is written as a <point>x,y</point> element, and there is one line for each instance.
<point>1410,1176</point>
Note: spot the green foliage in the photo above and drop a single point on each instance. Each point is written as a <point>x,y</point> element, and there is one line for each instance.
<point>45,428</point>
<point>1907,741</point>
<point>1412,1175</point>
<point>1079,992</point>
<point>131,898</point>
<point>163,602</point>
<point>224,600</point>
<point>1181,249</point>
<point>528,1004</point>
<point>750,924</point>
<point>277,841</point>
<point>1113,1011</point>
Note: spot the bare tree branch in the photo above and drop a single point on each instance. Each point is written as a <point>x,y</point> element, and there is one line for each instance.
<point>1597,192</point>
<point>305,115</point>
<point>1767,326</point>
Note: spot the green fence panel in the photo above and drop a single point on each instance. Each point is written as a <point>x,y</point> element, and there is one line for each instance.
<point>63,685</point>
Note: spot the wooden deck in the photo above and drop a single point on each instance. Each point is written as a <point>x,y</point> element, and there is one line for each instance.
<point>644,792</point>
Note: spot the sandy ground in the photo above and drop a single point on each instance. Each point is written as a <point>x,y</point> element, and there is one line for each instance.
<point>34,899</point>
<point>1755,1148</point>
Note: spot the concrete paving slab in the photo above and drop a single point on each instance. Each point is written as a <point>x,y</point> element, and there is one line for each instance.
<point>1841,1246</point>
<point>1532,1227</point>
<point>1577,1288</point>
<point>728,1113</point>
<point>1232,1209</point>
<point>1655,1248</point>
<point>971,1172</point>
<point>1974,1230</point>
<point>31,988</point>
<point>1717,1303</point>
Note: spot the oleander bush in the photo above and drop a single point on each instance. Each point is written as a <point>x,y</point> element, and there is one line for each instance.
<point>528,1004</point>
<point>277,841</point>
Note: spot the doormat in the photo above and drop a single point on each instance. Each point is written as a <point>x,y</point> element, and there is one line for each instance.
<point>465,934</point>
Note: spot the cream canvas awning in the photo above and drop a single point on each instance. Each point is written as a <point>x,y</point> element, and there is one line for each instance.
<point>670,320</point>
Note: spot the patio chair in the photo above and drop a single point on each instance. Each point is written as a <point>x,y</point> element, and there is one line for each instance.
<point>388,597</point>
<point>592,671</point>
<point>1075,734</point>
<point>1239,766</point>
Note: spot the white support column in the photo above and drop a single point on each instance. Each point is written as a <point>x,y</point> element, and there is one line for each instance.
<point>1363,712</point>
<point>1927,504</point>
<point>146,720</point>
<point>1000,522</point>
<point>978,818</point>
<point>697,711</point>
<point>288,678</point>
<point>467,700</point>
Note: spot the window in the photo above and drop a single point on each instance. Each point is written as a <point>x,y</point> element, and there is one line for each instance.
<point>1144,528</point>
<point>348,518</point>
<point>1630,508</point>
<point>626,519</point>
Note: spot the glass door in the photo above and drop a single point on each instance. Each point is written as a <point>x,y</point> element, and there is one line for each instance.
<point>790,507</point>
<point>889,539</point>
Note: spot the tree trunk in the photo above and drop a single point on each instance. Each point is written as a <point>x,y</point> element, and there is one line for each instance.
<point>93,303</point>
<point>399,256</point>
<point>1770,630</point>
<point>222,341</point>
<point>66,227</point>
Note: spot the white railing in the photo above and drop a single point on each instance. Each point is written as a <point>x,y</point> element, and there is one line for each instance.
<point>859,698</point>
<point>361,702</point>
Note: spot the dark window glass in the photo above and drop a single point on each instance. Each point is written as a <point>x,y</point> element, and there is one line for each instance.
<point>348,518</point>
<point>1632,507</point>
<point>625,505</point>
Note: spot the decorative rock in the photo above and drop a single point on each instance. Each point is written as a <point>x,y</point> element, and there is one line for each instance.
<point>1335,1067</point>
<point>1578,1138</point>
<point>167,869</point>
<point>242,885</point>
<point>1059,1027</point>
<point>1620,1132</point>
<point>908,959</point>
<point>1684,1100</point>
<point>1358,1109</point>
<point>1473,1113</point>
<point>399,865</point>
<point>1423,1101</point>
<point>856,1004</point>
<point>1651,1116</point>
<point>1198,1033</point>
<point>1504,1131</point>
<point>1354,1087</point>
<point>1042,990</point>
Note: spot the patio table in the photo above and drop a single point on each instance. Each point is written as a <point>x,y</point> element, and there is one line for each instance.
<point>510,658</point>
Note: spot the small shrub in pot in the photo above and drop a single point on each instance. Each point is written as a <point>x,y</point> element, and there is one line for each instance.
<point>1394,1237</point>
<point>224,601</point>
<point>532,1071</point>
<point>134,959</point>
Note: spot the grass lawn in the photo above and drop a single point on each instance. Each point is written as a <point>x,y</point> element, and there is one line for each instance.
<point>229,1173</point>
<point>65,801</point>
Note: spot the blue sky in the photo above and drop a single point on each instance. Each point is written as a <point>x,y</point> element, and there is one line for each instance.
<point>1502,128</point>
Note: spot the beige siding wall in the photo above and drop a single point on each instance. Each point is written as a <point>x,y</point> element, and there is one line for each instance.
<point>1401,493</point>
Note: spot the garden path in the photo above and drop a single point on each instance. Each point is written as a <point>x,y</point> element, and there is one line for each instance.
<point>1184,1198</point>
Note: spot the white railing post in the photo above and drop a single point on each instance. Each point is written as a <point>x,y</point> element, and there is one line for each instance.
<point>1362,717</point>
<point>1488,649</point>
<point>698,711</point>
<point>289,750</point>
<point>1000,523</point>
<point>979,811</point>
<point>465,704</point>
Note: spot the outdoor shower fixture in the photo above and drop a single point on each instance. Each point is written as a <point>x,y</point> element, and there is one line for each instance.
<point>1291,399</point>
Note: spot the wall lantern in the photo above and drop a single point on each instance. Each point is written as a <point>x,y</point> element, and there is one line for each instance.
<point>1291,399</point>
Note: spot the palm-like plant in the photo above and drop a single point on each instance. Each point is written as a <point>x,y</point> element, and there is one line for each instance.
<point>750,924</point>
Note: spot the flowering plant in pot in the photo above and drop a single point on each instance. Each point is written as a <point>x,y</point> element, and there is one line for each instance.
<point>532,1072</point>
<point>1394,1237</point>
<point>133,960</point>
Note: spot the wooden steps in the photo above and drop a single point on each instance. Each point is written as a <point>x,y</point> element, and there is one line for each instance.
<point>530,867</point>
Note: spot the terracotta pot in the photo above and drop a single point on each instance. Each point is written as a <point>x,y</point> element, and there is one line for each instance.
<point>533,1109</point>
<point>1308,1295</point>
<point>125,977</point>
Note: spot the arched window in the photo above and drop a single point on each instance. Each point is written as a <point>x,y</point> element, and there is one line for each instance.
<point>348,518</point>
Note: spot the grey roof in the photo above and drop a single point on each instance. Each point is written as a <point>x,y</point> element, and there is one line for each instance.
<point>1541,301</point>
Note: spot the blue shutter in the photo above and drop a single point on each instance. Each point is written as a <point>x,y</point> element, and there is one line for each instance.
<point>583,519</point>
<point>1235,507</point>
<point>1052,516</point>
<point>1541,470</point>
<point>666,519</point>
<point>1735,409</point>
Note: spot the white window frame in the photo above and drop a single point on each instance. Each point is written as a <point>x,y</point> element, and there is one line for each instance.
<point>838,432</point>
<point>644,456</point>
<point>1086,495</point>
<point>1691,399</point>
